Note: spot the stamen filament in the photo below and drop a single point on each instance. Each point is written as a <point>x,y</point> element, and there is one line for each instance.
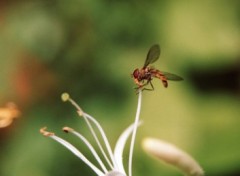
<point>104,137</point>
<point>78,154</point>
<point>67,129</point>
<point>73,149</point>
<point>134,132</point>
<point>118,151</point>
<point>66,97</point>
<point>98,142</point>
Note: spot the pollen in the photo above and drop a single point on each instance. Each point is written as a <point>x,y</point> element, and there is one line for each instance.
<point>65,97</point>
<point>67,129</point>
<point>45,133</point>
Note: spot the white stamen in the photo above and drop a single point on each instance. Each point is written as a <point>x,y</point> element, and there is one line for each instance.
<point>104,137</point>
<point>89,146</point>
<point>118,151</point>
<point>134,132</point>
<point>78,154</point>
<point>85,116</point>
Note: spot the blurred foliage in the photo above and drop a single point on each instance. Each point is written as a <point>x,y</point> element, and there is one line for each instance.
<point>89,49</point>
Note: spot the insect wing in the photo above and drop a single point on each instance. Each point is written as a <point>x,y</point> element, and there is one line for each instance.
<point>153,55</point>
<point>172,77</point>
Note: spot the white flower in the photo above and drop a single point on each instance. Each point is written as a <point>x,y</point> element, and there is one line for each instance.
<point>113,159</point>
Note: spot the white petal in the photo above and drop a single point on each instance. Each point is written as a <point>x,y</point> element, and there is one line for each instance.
<point>118,151</point>
<point>114,173</point>
<point>172,155</point>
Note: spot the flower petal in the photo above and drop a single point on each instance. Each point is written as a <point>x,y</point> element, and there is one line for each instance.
<point>114,173</point>
<point>172,155</point>
<point>118,151</point>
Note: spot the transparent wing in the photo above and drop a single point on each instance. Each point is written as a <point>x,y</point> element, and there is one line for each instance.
<point>153,55</point>
<point>172,77</point>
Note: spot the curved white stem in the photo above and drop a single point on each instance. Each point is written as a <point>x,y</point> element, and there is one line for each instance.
<point>106,142</point>
<point>86,117</point>
<point>118,151</point>
<point>134,132</point>
<point>78,154</point>
<point>91,149</point>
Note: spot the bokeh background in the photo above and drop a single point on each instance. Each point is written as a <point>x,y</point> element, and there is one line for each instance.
<point>89,49</point>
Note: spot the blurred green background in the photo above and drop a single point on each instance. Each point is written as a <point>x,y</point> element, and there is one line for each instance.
<point>89,49</point>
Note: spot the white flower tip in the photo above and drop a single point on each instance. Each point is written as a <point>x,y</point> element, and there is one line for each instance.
<point>172,155</point>
<point>45,133</point>
<point>67,129</point>
<point>65,97</point>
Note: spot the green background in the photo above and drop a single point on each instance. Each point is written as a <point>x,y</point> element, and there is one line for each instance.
<point>89,49</point>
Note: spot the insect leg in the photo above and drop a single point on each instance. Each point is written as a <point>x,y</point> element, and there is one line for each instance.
<point>151,85</point>
<point>149,81</point>
<point>141,85</point>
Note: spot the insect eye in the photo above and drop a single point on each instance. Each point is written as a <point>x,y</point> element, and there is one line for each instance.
<point>136,73</point>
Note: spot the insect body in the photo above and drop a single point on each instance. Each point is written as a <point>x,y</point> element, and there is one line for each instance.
<point>142,77</point>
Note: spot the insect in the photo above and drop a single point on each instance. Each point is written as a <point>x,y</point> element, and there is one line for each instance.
<point>142,77</point>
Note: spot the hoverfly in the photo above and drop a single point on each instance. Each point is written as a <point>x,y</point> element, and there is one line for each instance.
<point>142,77</point>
